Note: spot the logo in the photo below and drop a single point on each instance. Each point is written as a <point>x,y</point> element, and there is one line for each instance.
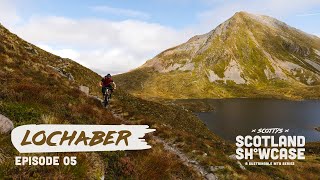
<point>264,146</point>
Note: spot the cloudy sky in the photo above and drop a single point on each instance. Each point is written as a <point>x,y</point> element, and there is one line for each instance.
<point>115,36</point>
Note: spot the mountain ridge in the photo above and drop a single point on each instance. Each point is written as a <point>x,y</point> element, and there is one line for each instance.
<point>272,22</point>
<point>247,49</point>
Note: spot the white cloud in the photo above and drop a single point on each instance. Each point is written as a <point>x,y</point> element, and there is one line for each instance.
<point>221,10</point>
<point>8,13</point>
<point>309,14</point>
<point>121,12</point>
<point>105,46</point>
<point>65,53</point>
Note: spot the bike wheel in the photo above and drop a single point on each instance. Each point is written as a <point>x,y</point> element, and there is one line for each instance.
<point>106,101</point>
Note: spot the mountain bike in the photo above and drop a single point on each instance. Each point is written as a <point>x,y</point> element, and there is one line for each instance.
<point>107,97</point>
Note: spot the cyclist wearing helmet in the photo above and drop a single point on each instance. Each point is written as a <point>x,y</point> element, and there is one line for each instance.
<point>107,83</point>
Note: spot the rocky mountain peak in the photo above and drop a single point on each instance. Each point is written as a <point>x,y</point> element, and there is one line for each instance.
<point>246,49</point>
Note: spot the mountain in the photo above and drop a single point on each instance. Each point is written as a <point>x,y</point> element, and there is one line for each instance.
<point>246,56</point>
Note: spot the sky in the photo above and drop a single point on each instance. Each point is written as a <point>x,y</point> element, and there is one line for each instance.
<point>115,36</point>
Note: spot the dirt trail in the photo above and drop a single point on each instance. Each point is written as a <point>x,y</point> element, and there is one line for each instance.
<point>183,157</point>
<point>118,113</point>
<point>174,150</point>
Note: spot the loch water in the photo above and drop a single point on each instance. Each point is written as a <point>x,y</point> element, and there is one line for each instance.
<point>232,117</point>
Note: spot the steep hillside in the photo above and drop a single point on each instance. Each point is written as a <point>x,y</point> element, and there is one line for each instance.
<point>246,56</point>
<point>37,87</point>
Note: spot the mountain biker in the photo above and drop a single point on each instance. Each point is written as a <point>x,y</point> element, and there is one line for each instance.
<point>107,83</point>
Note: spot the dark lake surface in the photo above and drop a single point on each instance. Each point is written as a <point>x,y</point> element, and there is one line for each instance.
<point>233,117</point>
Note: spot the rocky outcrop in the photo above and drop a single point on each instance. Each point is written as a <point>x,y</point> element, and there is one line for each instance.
<point>233,73</point>
<point>216,168</point>
<point>211,176</point>
<point>295,48</point>
<point>6,125</point>
<point>234,157</point>
<point>240,165</point>
<point>84,89</point>
<point>30,49</point>
<point>63,73</point>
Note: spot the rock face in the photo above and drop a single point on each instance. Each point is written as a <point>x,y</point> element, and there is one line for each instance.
<point>233,157</point>
<point>6,125</point>
<point>247,50</point>
<point>211,176</point>
<point>84,89</point>
<point>240,165</point>
<point>62,72</point>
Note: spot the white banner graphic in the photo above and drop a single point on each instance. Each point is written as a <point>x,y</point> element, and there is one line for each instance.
<point>79,138</point>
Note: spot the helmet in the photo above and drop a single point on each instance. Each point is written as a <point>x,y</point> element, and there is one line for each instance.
<point>108,76</point>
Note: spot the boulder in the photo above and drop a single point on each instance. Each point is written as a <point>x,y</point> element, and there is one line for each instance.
<point>6,125</point>
<point>211,176</point>
<point>216,168</point>
<point>233,157</point>
<point>84,89</point>
<point>240,165</point>
<point>69,76</point>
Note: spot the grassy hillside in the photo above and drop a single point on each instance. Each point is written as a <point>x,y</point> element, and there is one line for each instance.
<point>36,88</point>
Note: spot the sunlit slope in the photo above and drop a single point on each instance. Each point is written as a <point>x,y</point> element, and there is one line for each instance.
<point>246,56</point>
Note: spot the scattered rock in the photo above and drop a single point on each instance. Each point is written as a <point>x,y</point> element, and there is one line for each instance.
<point>187,67</point>
<point>216,168</point>
<point>184,158</point>
<point>233,157</point>
<point>211,176</point>
<point>193,162</point>
<point>233,73</point>
<point>96,98</point>
<point>84,89</point>
<point>6,125</point>
<point>62,72</point>
<point>69,76</point>
<point>30,49</point>
<point>241,166</point>
<point>317,129</point>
